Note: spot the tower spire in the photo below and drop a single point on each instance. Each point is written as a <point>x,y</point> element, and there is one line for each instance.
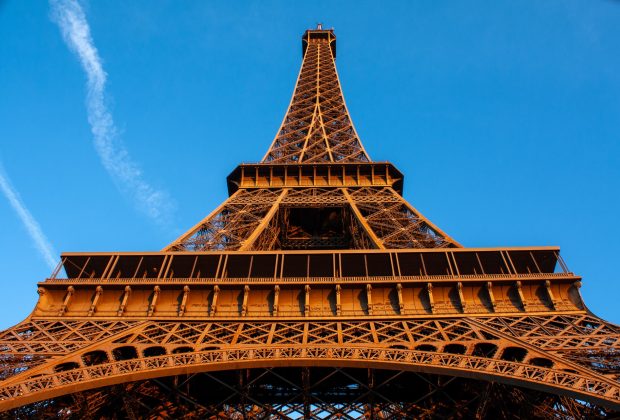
<point>317,126</point>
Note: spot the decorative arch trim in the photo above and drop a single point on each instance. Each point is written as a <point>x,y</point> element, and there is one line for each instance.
<point>512,373</point>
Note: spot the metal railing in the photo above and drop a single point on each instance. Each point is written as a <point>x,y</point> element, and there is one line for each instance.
<point>314,280</point>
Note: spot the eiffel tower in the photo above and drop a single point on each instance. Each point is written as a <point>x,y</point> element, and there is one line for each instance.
<point>314,291</point>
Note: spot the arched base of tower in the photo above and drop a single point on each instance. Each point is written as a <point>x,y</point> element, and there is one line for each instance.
<point>295,393</point>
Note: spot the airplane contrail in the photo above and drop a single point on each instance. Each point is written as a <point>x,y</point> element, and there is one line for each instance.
<point>126,174</point>
<point>41,243</point>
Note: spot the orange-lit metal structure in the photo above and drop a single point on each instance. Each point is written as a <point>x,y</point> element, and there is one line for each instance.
<point>314,291</point>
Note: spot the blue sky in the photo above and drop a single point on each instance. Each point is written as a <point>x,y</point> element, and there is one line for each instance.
<point>504,117</point>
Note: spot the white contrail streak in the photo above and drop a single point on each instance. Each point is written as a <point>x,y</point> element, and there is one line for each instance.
<point>128,177</point>
<point>34,230</point>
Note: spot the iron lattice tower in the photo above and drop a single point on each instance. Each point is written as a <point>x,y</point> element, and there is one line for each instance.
<point>314,291</point>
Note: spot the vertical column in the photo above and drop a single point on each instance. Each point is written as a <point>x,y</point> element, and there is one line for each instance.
<point>549,292</point>
<point>93,306</point>
<point>121,308</point>
<point>307,305</point>
<point>244,306</point>
<point>338,304</point>
<point>156,291</point>
<point>65,304</point>
<point>459,289</point>
<point>520,294</point>
<point>184,300</point>
<point>276,299</point>
<point>401,304</point>
<point>216,291</point>
<point>491,295</point>
<point>429,290</point>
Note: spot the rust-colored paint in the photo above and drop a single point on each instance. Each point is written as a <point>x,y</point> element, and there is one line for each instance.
<point>315,267</point>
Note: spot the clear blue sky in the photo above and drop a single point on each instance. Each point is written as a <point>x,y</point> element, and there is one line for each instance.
<point>504,117</point>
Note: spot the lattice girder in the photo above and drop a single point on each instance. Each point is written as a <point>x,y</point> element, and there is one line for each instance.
<point>461,347</point>
<point>380,212</point>
<point>317,126</point>
<point>317,291</point>
<point>365,393</point>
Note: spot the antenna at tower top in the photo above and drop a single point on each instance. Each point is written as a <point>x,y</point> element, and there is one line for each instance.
<point>319,26</point>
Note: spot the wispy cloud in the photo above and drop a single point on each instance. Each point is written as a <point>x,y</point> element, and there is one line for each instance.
<point>32,226</point>
<point>127,175</point>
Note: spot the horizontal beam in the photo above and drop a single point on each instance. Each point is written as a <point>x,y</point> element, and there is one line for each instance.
<point>339,175</point>
<point>419,264</point>
<point>348,251</point>
<point>576,385</point>
<point>322,298</point>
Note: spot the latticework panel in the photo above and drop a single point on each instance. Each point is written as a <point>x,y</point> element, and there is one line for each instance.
<point>578,337</point>
<point>49,337</point>
<point>256,219</point>
<point>35,342</point>
<point>470,347</point>
<point>231,224</point>
<point>411,333</point>
<point>395,222</point>
<point>325,393</point>
<point>289,349</point>
<point>314,197</point>
<point>583,339</point>
<point>317,126</point>
<point>559,332</point>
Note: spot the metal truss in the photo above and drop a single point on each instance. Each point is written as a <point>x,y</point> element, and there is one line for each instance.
<point>325,393</point>
<point>231,224</point>
<point>253,219</point>
<point>461,347</point>
<point>50,337</point>
<point>395,223</point>
<point>314,291</point>
<point>561,334</point>
<point>317,129</point>
<point>317,126</point>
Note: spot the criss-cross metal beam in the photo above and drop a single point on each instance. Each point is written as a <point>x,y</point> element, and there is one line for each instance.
<point>314,290</point>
